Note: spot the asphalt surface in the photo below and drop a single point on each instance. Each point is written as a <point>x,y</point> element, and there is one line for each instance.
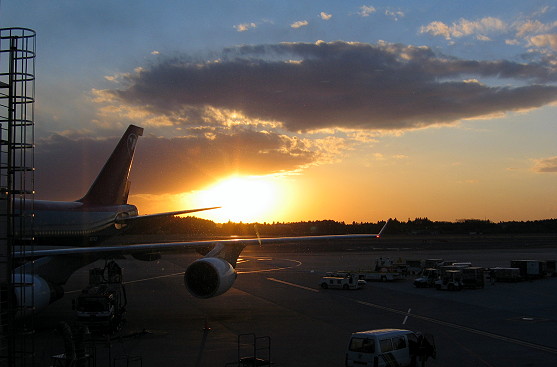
<point>277,294</point>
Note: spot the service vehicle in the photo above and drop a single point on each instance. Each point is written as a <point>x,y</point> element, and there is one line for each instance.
<point>551,267</point>
<point>340,280</point>
<point>450,280</point>
<point>414,267</point>
<point>530,269</point>
<point>384,270</point>
<point>501,274</point>
<point>388,347</point>
<point>101,306</point>
<point>473,277</point>
<point>380,276</point>
<point>433,263</point>
<point>427,278</point>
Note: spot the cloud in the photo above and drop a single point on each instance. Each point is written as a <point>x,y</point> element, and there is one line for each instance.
<point>299,24</point>
<point>366,10</point>
<point>325,16</point>
<point>465,27</point>
<point>529,32</point>
<point>395,14</point>
<point>336,85</point>
<point>545,40</point>
<point>546,165</point>
<point>172,165</point>
<point>244,27</point>
<point>533,27</point>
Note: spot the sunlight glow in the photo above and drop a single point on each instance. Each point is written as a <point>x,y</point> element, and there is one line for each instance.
<point>242,199</point>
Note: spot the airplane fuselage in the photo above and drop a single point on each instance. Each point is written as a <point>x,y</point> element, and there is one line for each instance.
<point>75,223</point>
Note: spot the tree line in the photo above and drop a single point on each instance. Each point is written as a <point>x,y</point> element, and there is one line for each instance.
<point>419,226</point>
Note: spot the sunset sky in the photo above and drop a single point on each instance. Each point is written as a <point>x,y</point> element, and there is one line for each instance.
<point>302,110</point>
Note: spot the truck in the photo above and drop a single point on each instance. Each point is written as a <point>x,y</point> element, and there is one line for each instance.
<point>101,306</point>
<point>384,270</point>
<point>342,280</point>
<point>389,347</point>
<point>427,278</point>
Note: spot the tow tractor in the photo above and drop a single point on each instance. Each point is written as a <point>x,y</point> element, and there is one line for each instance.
<point>101,306</point>
<point>427,278</point>
<point>450,280</point>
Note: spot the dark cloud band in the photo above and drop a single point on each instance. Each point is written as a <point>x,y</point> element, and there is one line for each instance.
<point>340,85</point>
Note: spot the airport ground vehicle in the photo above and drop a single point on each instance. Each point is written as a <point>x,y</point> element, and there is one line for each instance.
<point>381,276</point>
<point>551,267</point>
<point>388,347</point>
<point>341,280</point>
<point>384,270</point>
<point>427,278</point>
<point>500,274</point>
<point>450,280</point>
<point>101,306</point>
<point>530,269</point>
<point>433,263</point>
<point>473,277</point>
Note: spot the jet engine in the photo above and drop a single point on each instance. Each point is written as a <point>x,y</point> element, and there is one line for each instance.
<point>209,277</point>
<point>33,293</point>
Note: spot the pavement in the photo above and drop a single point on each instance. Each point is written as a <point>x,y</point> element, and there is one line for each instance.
<point>277,294</point>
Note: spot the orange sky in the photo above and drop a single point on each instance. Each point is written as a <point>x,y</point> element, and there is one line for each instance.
<point>343,111</point>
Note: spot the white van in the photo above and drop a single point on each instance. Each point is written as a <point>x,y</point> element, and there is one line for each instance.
<point>382,347</point>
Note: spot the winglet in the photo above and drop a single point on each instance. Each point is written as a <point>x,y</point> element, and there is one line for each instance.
<point>383,229</point>
<point>111,186</point>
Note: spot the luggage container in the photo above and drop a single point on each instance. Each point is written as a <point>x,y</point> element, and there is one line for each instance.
<point>500,274</point>
<point>530,269</point>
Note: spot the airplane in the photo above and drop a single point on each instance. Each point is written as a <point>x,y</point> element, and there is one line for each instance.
<point>104,213</point>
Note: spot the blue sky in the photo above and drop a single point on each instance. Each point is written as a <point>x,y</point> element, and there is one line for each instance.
<point>354,110</point>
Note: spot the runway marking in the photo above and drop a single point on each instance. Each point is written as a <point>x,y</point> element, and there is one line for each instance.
<point>157,277</point>
<point>137,280</point>
<point>296,264</point>
<point>435,321</point>
<point>293,285</point>
<point>406,317</point>
<point>465,328</point>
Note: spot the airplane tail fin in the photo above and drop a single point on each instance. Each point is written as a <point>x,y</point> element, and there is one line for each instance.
<point>111,187</point>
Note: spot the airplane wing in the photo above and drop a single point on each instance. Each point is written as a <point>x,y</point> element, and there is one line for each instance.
<point>209,276</point>
<point>176,247</point>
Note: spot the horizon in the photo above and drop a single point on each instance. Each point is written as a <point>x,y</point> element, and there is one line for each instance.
<point>378,222</point>
<point>351,111</point>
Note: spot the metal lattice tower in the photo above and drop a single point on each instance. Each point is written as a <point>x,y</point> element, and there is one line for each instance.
<point>17,97</point>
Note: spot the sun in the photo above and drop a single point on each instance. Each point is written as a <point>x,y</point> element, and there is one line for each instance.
<point>241,198</point>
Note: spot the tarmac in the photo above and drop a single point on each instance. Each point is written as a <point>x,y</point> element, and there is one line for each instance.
<point>277,295</point>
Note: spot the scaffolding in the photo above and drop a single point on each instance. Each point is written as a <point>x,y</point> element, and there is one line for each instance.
<point>17,96</point>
